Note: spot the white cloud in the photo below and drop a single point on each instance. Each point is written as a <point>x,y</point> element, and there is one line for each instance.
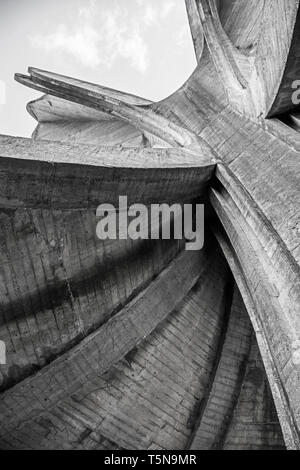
<point>167,8</point>
<point>155,12</point>
<point>150,15</point>
<point>83,45</point>
<point>181,35</point>
<point>99,38</point>
<point>88,10</point>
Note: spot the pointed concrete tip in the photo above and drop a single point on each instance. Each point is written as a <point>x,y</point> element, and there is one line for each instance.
<point>36,71</point>
<point>19,77</point>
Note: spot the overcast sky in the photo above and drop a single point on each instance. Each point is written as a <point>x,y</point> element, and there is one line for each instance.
<point>139,46</point>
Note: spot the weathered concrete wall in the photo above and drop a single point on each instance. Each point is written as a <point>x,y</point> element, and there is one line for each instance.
<point>58,280</point>
<point>158,395</point>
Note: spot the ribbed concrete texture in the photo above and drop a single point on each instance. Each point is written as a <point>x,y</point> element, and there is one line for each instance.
<point>141,344</point>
